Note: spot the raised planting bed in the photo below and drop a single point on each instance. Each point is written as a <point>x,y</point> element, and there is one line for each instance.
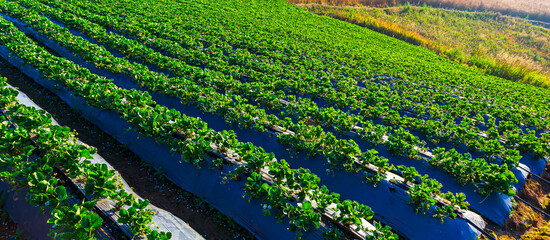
<point>459,226</point>
<point>163,221</point>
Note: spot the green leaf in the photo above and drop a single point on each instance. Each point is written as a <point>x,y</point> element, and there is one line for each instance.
<point>265,187</point>
<point>96,221</point>
<point>85,154</point>
<point>306,205</point>
<point>123,213</point>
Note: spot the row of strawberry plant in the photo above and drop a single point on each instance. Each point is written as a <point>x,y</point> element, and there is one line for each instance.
<point>140,111</point>
<point>342,123</point>
<point>430,128</point>
<point>171,30</point>
<point>28,134</point>
<point>340,153</point>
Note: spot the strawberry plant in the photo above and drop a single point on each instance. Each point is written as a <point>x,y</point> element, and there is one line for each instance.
<point>351,213</point>
<point>320,91</point>
<point>138,216</point>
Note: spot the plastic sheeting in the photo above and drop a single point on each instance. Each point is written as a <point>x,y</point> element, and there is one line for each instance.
<point>29,219</point>
<point>205,183</point>
<point>392,208</point>
<point>399,214</point>
<point>163,220</point>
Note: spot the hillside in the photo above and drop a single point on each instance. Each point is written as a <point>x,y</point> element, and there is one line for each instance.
<point>503,46</point>
<point>531,9</point>
<point>292,124</point>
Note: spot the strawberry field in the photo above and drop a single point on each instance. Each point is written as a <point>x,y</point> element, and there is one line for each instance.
<point>294,125</point>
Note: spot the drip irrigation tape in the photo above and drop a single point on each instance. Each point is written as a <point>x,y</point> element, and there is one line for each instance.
<point>533,207</point>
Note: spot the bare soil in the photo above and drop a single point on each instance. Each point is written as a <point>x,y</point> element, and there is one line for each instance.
<point>8,229</point>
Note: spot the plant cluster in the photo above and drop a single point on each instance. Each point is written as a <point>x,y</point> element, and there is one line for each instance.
<point>152,120</point>
<point>297,82</point>
<point>309,138</point>
<point>238,111</point>
<point>32,147</point>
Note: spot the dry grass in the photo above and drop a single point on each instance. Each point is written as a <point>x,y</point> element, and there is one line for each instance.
<point>534,9</point>
<point>525,223</point>
<point>525,218</point>
<point>506,47</point>
<point>538,233</point>
<point>533,192</point>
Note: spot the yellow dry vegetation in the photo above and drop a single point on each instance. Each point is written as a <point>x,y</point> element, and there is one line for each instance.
<point>495,44</point>
<point>536,9</point>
